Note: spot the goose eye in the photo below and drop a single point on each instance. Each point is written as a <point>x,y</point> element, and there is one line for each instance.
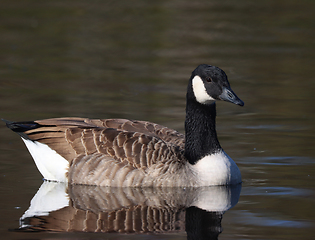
<point>208,79</point>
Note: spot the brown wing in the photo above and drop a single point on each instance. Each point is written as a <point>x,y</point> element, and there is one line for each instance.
<point>136,143</point>
<point>152,129</point>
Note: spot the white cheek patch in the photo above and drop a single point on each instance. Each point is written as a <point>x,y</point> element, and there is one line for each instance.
<point>200,91</point>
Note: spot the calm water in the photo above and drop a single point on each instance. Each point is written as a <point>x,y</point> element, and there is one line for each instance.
<point>132,59</point>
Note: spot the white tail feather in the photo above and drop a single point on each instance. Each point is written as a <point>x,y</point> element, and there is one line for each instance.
<point>50,164</point>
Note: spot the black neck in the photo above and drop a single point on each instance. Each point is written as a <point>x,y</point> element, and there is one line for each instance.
<point>201,136</point>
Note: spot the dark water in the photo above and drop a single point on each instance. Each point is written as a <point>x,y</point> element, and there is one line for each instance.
<point>132,59</point>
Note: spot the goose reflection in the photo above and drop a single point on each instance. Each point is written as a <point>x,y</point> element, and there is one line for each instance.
<point>59,207</point>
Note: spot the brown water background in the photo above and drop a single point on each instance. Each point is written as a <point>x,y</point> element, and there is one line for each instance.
<point>133,59</point>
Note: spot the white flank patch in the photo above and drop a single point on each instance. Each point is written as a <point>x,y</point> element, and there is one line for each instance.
<point>50,164</point>
<point>217,169</point>
<point>200,91</point>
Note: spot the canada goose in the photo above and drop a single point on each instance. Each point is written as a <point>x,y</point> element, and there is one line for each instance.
<point>120,152</point>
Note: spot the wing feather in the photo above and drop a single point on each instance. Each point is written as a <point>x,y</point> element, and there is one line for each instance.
<point>137,144</point>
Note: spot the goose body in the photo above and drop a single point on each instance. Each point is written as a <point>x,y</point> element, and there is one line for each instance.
<point>121,152</point>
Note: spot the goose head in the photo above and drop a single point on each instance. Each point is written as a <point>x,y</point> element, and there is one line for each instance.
<point>208,84</point>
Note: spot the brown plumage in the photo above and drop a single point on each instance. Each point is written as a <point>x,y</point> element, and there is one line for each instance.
<point>113,152</point>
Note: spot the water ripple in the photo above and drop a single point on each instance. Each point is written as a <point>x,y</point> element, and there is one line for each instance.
<point>276,191</point>
<point>277,160</point>
<point>246,217</point>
